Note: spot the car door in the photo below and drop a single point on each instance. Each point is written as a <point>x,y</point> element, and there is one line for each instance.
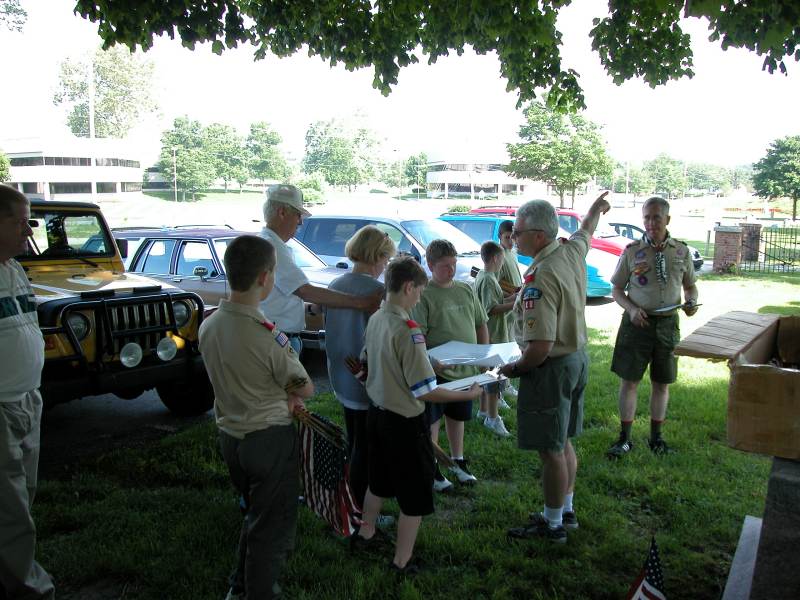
<point>401,240</point>
<point>193,257</point>
<point>155,259</point>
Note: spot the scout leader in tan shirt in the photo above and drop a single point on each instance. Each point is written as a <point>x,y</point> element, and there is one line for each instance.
<point>649,277</point>
<point>553,369</point>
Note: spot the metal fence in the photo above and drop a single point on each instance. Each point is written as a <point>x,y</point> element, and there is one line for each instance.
<point>776,249</point>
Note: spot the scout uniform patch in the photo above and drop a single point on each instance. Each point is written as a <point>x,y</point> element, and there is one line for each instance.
<point>419,337</point>
<point>281,338</point>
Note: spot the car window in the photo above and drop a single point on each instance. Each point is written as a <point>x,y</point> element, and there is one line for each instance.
<point>220,246</point>
<point>328,236</point>
<point>156,258</point>
<point>195,254</point>
<point>58,234</point>
<point>479,231</point>
<point>427,230</point>
<point>133,246</point>
<point>303,257</point>
<point>569,223</point>
<point>401,242</point>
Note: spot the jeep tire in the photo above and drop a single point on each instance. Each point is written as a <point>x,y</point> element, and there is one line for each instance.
<point>189,397</point>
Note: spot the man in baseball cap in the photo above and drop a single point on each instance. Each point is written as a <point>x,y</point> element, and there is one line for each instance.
<point>287,194</point>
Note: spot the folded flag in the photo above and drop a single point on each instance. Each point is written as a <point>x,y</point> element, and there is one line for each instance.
<point>650,583</point>
<point>324,472</point>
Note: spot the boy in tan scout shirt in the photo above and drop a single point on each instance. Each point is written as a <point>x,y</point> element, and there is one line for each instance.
<point>258,383</point>
<point>400,381</point>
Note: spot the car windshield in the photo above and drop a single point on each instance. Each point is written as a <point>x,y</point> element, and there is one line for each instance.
<point>68,234</point>
<point>303,257</point>
<point>425,231</point>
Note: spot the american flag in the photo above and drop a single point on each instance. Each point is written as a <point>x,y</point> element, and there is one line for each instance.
<point>650,583</point>
<point>324,471</point>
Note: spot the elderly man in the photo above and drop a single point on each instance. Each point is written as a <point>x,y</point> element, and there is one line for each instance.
<point>283,214</point>
<point>20,407</point>
<point>647,284</point>
<point>554,366</point>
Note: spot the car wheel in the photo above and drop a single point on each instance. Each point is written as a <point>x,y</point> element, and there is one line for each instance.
<point>189,397</point>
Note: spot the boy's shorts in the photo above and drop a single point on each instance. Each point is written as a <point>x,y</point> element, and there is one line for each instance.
<point>401,462</point>
<point>458,411</point>
<point>550,402</point>
<point>636,347</point>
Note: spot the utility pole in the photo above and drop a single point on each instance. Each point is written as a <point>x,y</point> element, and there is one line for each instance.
<point>92,156</point>
<point>174,173</point>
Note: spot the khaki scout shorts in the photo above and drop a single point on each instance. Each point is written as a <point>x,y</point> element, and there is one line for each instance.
<point>652,345</point>
<point>550,402</point>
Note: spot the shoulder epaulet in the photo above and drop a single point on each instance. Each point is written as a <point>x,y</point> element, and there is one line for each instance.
<point>268,325</point>
<point>530,278</point>
<point>412,324</point>
<point>633,243</point>
<point>682,242</point>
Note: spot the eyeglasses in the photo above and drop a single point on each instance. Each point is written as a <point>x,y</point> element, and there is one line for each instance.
<point>517,232</point>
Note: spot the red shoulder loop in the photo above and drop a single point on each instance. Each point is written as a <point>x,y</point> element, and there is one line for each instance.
<point>268,325</point>
<point>412,324</point>
<point>530,277</point>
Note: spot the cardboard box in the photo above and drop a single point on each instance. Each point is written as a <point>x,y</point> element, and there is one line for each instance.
<point>763,398</point>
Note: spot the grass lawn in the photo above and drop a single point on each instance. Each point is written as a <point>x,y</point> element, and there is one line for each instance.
<point>162,521</point>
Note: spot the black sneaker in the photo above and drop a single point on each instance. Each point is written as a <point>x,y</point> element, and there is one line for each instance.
<point>568,519</point>
<point>659,446</point>
<point>412,568</point>
<point>379,541</point>
<point>440,482</point>
<point>620,448</point>
<point>462,472</point>
<point>539,528</point>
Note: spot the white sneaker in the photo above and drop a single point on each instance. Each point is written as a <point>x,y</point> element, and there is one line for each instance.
<point>482,414</point>
<point>442,485</point>
<point>497,426</point>
<point>503,404</point>
<point>511,391</point>
<point>461,471</point>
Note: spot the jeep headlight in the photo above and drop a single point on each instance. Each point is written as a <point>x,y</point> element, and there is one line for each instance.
<point>182,312</point>
<point>79,325</point>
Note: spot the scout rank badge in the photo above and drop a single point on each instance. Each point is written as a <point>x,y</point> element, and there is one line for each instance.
<point>281,338</point>
<point>641,267</point>
<point>417,338</point>
<point>529,296</point>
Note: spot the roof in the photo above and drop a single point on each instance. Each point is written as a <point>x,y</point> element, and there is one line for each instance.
<point>56,204</point>
<point>207,232</point>
<point>475,217</point>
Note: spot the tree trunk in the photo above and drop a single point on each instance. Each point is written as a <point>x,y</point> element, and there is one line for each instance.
<point>572,203</point>
<point>226,185</point>
<point>794,208</point>
<point>183,195</point>
<point>561,199</point>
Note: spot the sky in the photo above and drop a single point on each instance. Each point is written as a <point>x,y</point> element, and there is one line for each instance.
<point>456,110</point>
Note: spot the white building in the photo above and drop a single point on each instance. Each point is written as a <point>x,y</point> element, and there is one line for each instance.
<point>73,168</point>
<point>459,177</point>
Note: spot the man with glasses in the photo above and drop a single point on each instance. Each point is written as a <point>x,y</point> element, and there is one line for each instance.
<point>20,407</point>
<point>283,214</point>
<point>553,370</point>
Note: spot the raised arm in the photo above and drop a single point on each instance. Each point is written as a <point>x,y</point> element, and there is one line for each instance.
<point>599,207</point>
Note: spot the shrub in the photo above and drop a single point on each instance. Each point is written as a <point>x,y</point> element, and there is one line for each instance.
<point>459,208</point>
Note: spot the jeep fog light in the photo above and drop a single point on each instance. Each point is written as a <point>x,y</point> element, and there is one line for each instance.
<point>166,349</point>
<point>79,325</point>
<point>131,354</point>
<point>182,312</point>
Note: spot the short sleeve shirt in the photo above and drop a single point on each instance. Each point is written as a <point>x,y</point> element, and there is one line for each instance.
<point>399,371</point>
<point>252,367</point>
<point>490,294</point>
<point>450,314</point>
<point>21,341</point>
<point>510,269</point>
<point>550,306</point>
<point>282,306</point>
<point>636,272</point>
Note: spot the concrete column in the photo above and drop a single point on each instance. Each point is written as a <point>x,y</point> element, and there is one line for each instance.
<point>751,241</point>
<point>727,248</point>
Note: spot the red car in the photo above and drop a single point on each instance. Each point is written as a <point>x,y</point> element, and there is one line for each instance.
<point>569,220</point>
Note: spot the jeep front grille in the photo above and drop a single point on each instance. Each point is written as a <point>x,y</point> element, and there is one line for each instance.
<point>130,323</point>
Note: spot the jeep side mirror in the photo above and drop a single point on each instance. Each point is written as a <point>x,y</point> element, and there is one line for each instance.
<point>123,247</point>
<point>200,272</point>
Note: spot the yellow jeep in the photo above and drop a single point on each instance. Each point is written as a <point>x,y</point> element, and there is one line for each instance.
<point>105,330</point>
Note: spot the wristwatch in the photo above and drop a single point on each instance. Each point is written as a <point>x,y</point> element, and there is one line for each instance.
<point>515,369</point>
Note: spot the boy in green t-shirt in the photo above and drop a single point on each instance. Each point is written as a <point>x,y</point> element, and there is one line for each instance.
<point>509,272</point>
<point>497,307</point>
<point>450,310</point>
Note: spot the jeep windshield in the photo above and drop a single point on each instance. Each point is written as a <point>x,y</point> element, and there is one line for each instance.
<point>425,231</point>
<point>68,235</point>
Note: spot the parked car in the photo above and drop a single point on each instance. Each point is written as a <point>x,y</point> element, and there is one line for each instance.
<point>326,235</point>
<point>569,220</point>
<point>107,331</point>
<point>599,265</point>
<point>634,232</point>
<point>191,258</point>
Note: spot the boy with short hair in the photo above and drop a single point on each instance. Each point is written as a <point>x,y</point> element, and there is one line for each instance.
<point>258,383</point>
<point>497,306</point>
<point>450,310</point>
<point>509,272</point>
<point>400,383</point>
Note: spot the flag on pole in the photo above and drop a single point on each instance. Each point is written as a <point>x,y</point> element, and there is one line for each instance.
<point>324,472</point>
<point>650,583</point>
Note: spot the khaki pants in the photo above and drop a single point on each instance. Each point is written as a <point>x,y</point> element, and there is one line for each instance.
<point>21,577</point>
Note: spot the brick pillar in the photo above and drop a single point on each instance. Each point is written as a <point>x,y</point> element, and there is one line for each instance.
<point>751,241</point>
<point>727,249</point>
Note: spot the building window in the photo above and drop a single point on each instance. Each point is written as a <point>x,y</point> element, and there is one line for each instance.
<point>83,187</point>
<point>509,188</point>
<point>131,186</point>
<point>67,161</point>
<point>116,162</point>
<point>106,187</point>
<point>26,161</point>
<point>31,188</point>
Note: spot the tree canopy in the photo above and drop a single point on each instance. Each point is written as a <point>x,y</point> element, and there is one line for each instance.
<point>184,154</point>
<point>5,167</point>
<point>637,39</point>
<point>564,150</point>
<point>12,15</point>
<point>777,175</point>
<point>122,92</point>
<point>266,160</point>
<point>343,153</point>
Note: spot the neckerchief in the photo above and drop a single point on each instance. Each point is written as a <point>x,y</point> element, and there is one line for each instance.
<point>661,261</point>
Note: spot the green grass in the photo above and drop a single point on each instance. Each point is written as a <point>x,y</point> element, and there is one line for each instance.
<point>202,195</point>
<point>162,521</point>
<point>701,247</point>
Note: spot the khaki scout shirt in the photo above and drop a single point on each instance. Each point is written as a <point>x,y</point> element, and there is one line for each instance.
<point>252,367</point>
<point>551,303</point>
<point>510,269</point>
<point>636,271</point>
<point>399,371</point>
